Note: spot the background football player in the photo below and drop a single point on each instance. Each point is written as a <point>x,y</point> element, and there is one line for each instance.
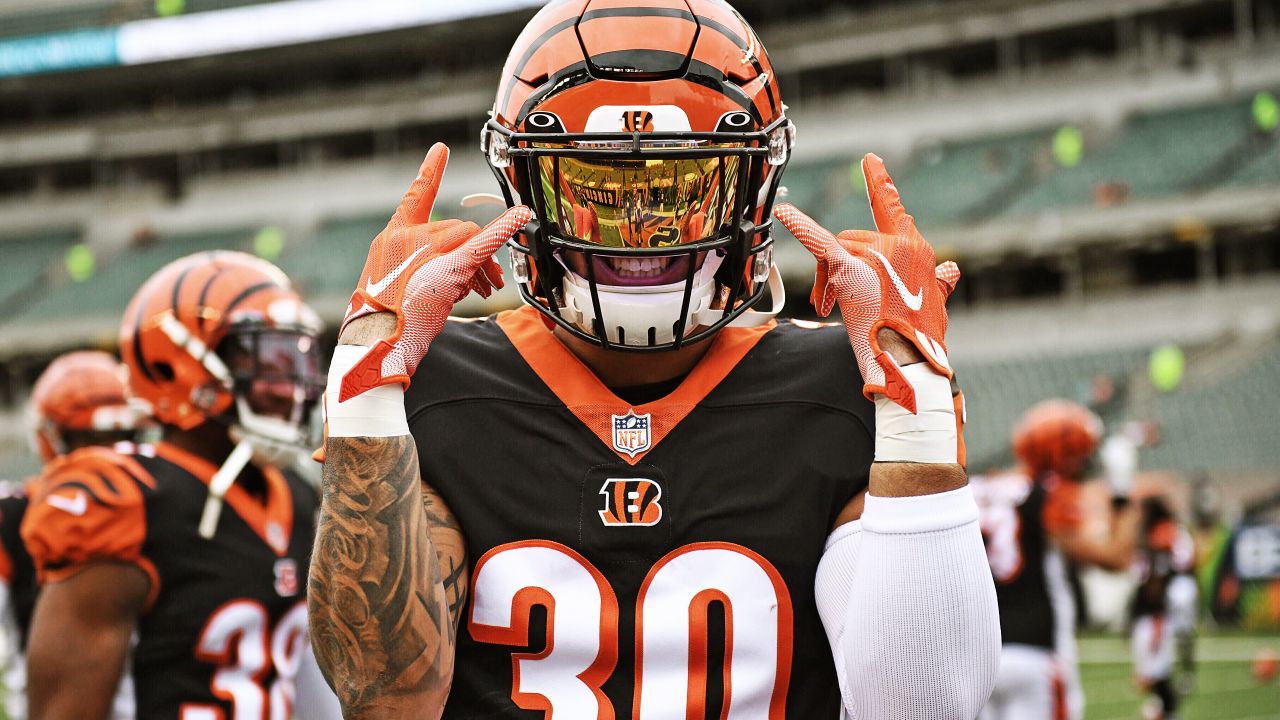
<point>80,400</point>
<point>1165,552</point>
<point>646,469</point>
<point>199,544</point>
<point>1034,522</point>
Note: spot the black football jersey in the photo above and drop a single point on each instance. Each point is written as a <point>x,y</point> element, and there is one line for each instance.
<point>642,561</point>
<point>1016,514</point>
<point>1166,549</point>
<point>225,624</point>
<point>16,568</point>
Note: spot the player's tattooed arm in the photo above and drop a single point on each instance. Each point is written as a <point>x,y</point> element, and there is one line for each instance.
<point>446,536</point>
<point>388,581</point>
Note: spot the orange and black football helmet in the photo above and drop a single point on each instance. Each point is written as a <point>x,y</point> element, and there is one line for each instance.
<point>80,399</point>
<point>1057,436</point>
<point>649,138</point>
<point>223,336</point>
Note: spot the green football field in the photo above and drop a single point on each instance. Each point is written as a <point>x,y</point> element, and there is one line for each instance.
<point>1224,688</point>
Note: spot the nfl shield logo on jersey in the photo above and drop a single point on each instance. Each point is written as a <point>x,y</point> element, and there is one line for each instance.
<point>631,433</point>
<point>286,577</point>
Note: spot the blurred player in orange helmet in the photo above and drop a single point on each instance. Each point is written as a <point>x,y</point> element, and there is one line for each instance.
<point>198,544</point>
<point>80,400</point>
<point>1033,523</point>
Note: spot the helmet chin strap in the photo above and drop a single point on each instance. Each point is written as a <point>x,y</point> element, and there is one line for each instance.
<point>753,318</point>
<point>262,440</point>
<point>641,309</point>
<point>221,482</point>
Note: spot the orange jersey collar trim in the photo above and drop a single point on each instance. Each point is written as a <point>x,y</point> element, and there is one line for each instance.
<point>595,405</point>
<point>277,512</point>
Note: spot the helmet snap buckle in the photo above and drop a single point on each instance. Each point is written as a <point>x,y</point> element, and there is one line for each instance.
<point>520,266</point>
<point>762,265</point>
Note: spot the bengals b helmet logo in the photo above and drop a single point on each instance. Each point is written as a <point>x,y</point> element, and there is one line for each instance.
<point>637,121</point>
<point>631,503</point>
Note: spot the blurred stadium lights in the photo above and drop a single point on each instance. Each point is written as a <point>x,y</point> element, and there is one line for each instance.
<point>253,27</point>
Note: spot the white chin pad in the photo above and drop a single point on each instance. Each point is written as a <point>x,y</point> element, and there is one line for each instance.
<point>633,313</point>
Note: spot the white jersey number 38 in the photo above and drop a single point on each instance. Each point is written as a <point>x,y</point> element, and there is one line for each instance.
<point>565,679</point>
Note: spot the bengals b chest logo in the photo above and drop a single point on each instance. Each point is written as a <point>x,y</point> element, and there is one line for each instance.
<point>631,503</point>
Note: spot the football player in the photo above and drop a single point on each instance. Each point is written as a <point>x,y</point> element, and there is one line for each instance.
<point>78,401</point>
<point>618,500</point>
<point>198,544</point>
<point>1033,522</point>
<point>1165,553</point>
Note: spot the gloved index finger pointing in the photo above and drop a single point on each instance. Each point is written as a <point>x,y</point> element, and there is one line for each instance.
<point>416,205</point>
<point>813,236</point>
<point>498,232</point>
<point>886,203</point>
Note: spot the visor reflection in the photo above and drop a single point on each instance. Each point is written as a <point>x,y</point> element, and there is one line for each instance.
<point>639,203</point>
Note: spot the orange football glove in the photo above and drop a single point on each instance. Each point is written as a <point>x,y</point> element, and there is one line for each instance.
<point>884,279</point>
<point>419,270</point>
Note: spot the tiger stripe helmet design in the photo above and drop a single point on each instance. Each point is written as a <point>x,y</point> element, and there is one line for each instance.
<point>84,392</point>
<point>177,320</point>
<point>1057,436</point>
<point>649,137</point>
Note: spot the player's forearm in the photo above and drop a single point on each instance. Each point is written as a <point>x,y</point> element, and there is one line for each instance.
<point>921,635</point>
<point>379,610</point>
<point>75,683</point>
<point>898,480</point>
<point>1115,553</point>
<point>80,636</point>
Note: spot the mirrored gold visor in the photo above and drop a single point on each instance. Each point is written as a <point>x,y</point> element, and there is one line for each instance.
<point>652,203</point>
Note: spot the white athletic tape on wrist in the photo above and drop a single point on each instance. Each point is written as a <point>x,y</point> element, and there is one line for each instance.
<point>929,436</point>
<point>374,413</point>
<point>920,514</point>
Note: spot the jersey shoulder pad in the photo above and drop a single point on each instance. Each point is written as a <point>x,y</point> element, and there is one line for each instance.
<point>473,359</point>
<point>799,362</point>
<point>87,507</point>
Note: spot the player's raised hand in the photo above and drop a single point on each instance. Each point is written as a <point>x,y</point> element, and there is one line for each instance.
<point>418,270</point>
<point>884,279</point>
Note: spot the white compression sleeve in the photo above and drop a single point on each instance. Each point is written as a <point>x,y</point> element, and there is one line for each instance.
<point>920,634</point>
<point>832,587</point>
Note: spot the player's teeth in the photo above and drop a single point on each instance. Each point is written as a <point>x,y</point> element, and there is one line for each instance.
<point>639,267</point>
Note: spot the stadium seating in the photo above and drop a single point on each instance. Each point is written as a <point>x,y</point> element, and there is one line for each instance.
<point>1262,166</point>
<point>951,183</point>
<point>957,183</point>
<point>998,393</point>
<point>27,262</point>
<point>331,260</point>
<point>109,291</point>
<point>1227,424</point>
<point>1157,154</point>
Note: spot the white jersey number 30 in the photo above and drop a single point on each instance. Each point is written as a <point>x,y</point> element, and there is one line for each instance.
<point>670,638</point>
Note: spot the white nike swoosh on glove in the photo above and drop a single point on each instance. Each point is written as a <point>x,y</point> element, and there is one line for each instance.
<point>916,301</point>
<point>375,288</point>
<point>76,504</point>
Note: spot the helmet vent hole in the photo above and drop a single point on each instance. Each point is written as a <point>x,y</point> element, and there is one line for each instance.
<point>653,335</point>
<point>164,370</point>
<point>622,335</point>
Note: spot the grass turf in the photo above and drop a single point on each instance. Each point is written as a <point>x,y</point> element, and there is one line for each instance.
<point>1224,686</point>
